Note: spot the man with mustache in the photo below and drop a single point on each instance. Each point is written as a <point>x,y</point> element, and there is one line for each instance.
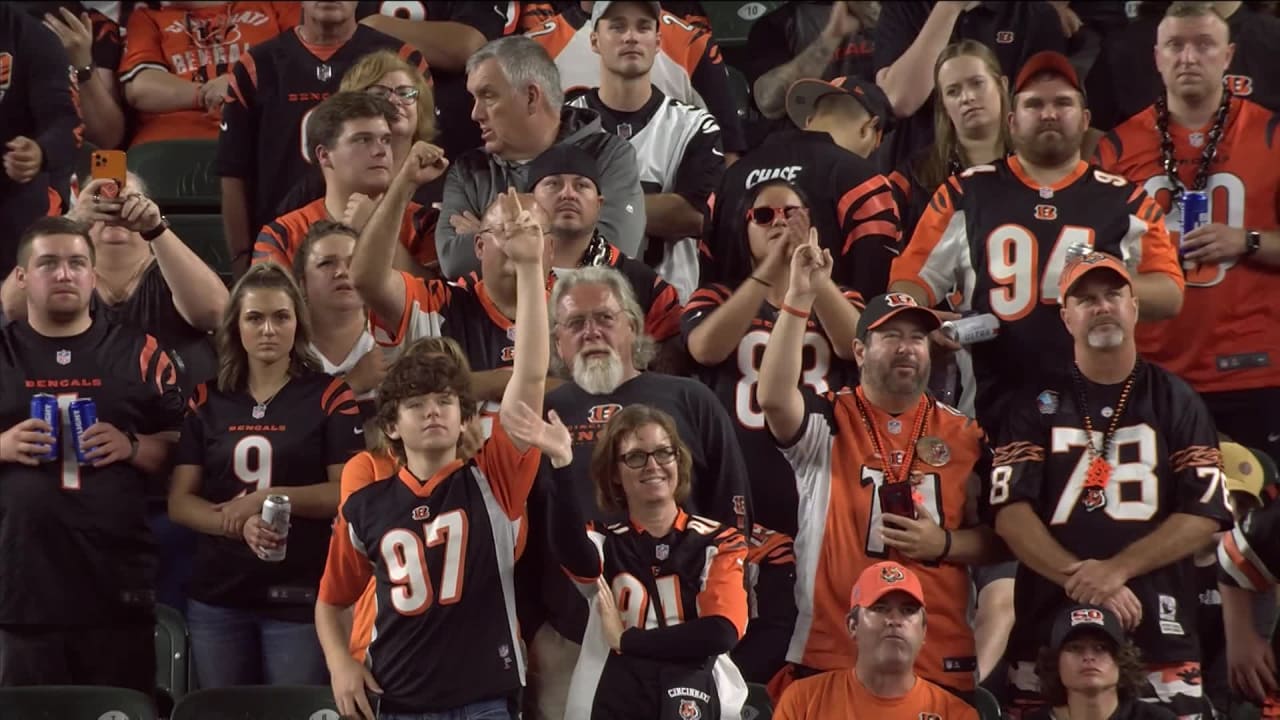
<point>882,471</point>
<point>999,235</point>
<point>1200,136</point>
<point>1103,486</point>
<point>599,341</point>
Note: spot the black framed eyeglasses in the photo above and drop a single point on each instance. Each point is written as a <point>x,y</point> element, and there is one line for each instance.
<point>403,93</point>
<point>637,459</point>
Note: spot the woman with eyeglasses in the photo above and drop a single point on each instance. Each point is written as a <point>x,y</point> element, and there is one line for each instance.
<point>666,587</point>
<point>726,329</point>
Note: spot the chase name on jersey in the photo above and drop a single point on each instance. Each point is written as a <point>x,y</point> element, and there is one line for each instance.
<point>788,173</point>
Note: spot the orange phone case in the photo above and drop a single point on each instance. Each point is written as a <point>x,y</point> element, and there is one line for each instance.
<point>109,165</point>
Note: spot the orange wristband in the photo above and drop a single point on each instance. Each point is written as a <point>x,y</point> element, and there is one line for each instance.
<point>802,314</point>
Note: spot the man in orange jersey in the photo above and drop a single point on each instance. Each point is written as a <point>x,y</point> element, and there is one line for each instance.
<point>1198,137</point>
<point>999,234</point>
<point>349,139</point>
<point>882,471</point>
<point>887,622</point>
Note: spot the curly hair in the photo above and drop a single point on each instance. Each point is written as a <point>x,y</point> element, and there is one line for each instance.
<point>421,372</point>
<point>1133,673</point>
<point>606,455</point>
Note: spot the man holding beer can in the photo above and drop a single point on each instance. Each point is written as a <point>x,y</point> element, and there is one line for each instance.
<point>91,408</point>
<point>1212,162</point>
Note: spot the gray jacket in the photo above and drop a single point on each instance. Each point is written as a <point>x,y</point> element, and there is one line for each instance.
<point>477,177</point>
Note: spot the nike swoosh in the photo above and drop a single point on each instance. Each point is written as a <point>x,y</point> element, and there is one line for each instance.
<point>717,152</point>
<point>360,430</point>
<point>1272,437</point>
<point>222,126</point>
<point>894,250</point>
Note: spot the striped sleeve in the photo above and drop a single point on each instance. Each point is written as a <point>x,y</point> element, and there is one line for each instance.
<point>1240,563</point>
<point>167,407</point>
<point>1146,245</point>
<point>662,318</point>
<point>724,592</point>
<point>343,426</point>
<point>142,48</point>
<point>936,252</point>
<point>702,303</point>
<point>274,244</point>
<point>422,317</point>
<point>868,209</point>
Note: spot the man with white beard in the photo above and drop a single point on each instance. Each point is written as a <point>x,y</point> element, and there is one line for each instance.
<point>597,331</point>
<point>1103,486</point>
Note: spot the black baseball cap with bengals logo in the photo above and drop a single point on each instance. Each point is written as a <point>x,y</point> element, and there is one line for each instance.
<point>882,308</point>
<point>1080,618</point>
<point>804,94</point>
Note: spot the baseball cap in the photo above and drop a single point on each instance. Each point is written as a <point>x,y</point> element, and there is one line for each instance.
<point>881,579</point>
<point>1083,264</point>
<point>1079,618</point>
<point>883,307</point>
<point>1046,61</point>
<point>804,94</point>
<point>600,8</point>
<point>563,159</point>
<point>1245,469</point>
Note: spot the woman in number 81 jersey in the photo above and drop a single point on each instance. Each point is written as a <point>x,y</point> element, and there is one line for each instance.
<point>727,328</point>
<point>271,423</point>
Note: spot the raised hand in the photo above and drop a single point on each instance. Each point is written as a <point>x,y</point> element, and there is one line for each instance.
<point>425,163</point>
<point>75,33</point>
<point>518,233</point>
<point>810,267</point>
<point>550,436</point>
<point>359,209</point>
<point>610,619</point>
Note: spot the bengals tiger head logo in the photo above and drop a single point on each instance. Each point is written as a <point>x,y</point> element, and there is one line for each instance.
<point>422,512</point>
<point>897,300</point>
<point>508,354</point>
<point>1239,85</point>
<point>689,710</point>
<point>892,574</point>
<point>6,73</point>
<point>600,414</point>
<point>1046,212</point>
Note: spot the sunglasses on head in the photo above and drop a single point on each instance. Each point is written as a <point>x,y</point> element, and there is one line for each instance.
<point>766,215</point>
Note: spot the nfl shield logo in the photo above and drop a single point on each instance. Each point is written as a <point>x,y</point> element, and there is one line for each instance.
<point>323,73</point>
<point>63,357</point>
<point>662,552</point>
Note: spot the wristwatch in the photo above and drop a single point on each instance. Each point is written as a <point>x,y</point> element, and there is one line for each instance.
<point>84,73</point>
<point>156,231</point>
<point>1252,242</point>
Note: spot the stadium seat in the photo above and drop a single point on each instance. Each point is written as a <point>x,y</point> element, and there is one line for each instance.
<point>758,706</point>
<point>988,706</point>
<point>731,21</point>
<point>258,702</point>
<point>173,665</point>
<point>181,175</point>
<point>74,702</point>
<point>203,233</point>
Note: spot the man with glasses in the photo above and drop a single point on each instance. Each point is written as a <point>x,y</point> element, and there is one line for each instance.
<point>599,342</point>
<point>349,139</point>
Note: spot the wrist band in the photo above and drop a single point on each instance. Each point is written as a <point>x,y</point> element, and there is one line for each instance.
<point>946,546</point>
<point>802,314</point>
<point>762,282</point>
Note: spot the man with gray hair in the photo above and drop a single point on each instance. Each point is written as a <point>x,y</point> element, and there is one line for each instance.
<point>518,106</point>
<point>599,342</point>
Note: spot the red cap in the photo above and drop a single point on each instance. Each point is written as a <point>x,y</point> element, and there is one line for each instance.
<point>1081,265</point>
<point>881,579</point>
<point>1047,61</point>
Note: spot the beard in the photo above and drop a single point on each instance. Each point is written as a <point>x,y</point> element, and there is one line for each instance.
<point>886,377</point>
<point>1049,150</point>
<point>598,375</point>
<point>1105,336</point>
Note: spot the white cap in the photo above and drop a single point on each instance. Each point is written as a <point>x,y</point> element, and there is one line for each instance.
<point>600,8</point>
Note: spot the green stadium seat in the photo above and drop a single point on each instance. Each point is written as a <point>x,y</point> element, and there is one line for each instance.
<point>258,702</point>
<point>74,702</point>
<point>173,663</point>
<point>181,175</point>
<point>758,706</point>
<point>203,234</point>
<point>988,706</point>
<point>731,21</point>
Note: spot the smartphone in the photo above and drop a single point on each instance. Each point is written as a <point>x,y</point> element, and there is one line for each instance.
<point>895,499</point>
<point>109,165</point>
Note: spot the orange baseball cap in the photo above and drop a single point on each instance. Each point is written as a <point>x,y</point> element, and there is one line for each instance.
<point>1080,265</point>
<point>881,579</point>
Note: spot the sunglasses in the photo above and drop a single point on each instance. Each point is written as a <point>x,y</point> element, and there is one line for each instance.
<point>637,459</point>
<point>404,93</point>
<point>766,215</point>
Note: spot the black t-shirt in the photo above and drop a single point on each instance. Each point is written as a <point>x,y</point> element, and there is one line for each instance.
<point>310,424</point>
<point>74,545</point>
<point>1013,30</point>
<point>1127,710</point>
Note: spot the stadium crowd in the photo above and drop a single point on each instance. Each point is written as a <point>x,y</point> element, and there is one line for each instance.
<point>638,360</point>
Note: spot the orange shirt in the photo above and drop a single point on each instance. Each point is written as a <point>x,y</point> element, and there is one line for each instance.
<point>363,469</point>
<point>196,45</point>
<point>279,240</point>
<point>839,694</point>
<point>838,474</point>
<point>1227,336</point>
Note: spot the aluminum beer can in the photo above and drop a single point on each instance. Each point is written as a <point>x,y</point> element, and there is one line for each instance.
<point>972,329</point>
<point>275,515</point>
<point>45,407</point>
<point>82,413</point>
<point>1195,212</point>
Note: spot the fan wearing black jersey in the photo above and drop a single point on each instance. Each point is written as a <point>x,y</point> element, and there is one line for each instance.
<point>76,558</point>
<point>272,423</point>
<point>439,538</point>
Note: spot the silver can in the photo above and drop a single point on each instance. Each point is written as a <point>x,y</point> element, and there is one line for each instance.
<point>972,329</point>
<point>275,515</point>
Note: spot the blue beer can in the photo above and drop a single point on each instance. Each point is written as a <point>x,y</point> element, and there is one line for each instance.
<point>1195,212</point>
<point>83,414</point>
<point>45,407</point>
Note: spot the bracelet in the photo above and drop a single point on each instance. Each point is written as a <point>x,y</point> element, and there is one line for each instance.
<point>946,546</point>
<point>802,314</point>
<point>762,282</point>
<point>156,231</point>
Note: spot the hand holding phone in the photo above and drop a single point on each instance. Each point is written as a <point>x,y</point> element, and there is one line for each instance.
<point>896,499</point>
<point>109,165</point>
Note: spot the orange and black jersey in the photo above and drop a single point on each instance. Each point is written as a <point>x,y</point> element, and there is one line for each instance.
<point>656,297</point>
<point>1165,460</point>
<point>279,240</point>
<point>771,580</point>
<point>459,310</point>
<point>1249,555</point>
<point>850,204</point>
<point>1000,241</point>
<point>441,551</point>
<point>273,88</point>
<point>310,424</point>
<point>735,382</point>
<point>74,543</point>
